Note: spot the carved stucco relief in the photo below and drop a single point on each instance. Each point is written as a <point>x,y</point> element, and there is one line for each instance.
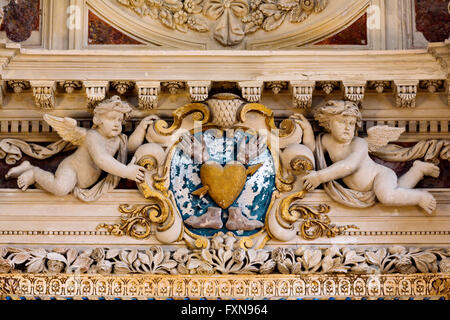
<point>235,24</point>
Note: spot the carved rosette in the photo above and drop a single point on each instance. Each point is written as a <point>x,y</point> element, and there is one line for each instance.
<point>406,92</point>
<point>328,86</point>
<point>95,92</point>
<point>431,85</point>
<point>122,86</point>
<point>251,90</point>
<point>276,86</point>
<point>199,90</point>
<point>70,86</point>
<point>148,92</point>
<point>379,86</point>
<point>18,85</point>
<point>302,92</point>
<point>173,86</point>
<point>44,94</point>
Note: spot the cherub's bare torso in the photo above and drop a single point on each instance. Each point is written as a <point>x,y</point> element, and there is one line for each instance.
<point>366,170</point>
<point>83,164</point>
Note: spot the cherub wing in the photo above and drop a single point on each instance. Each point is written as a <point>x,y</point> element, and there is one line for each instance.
<point>67,128</point>
<point>379,136</point>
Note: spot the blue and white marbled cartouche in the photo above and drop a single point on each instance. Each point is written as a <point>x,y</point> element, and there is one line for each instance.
<point>254,198</point>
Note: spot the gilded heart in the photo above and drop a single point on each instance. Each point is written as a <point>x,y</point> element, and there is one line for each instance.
<point>224,183</point>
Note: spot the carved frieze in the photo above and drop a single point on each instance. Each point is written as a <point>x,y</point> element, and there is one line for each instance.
<point>226,256</point>
<point>305,286</point>
<point>44,94</point>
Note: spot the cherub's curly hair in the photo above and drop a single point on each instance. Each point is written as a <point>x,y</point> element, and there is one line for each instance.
<point>112,104</point>
<point>332,108</point>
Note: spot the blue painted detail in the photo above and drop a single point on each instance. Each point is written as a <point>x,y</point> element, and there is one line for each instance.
<point>117,299</point>
<point>333,298</point>
<point>169,299</point>
<point>37,298</point>
<point>380,298</point>
<point>299,298</point>
<point>151,299</point>
<point>186,299</point>
<point>363,298</point>
<point>84,298</point>
<point>411,298</point>
<point>23,298</point>
<point>348,298</point>
<point>316,299</point>
<point>426,298</point>
<point>101,298</point>
<point>396,298</point>
<point>8,298</point>
<point>203,299</point>
<point>442,298</point>
<point>52,298</point>
<point>253,200</point>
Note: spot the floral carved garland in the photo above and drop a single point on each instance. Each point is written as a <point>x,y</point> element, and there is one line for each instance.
<point>234,18</point>
<point>224,258</point>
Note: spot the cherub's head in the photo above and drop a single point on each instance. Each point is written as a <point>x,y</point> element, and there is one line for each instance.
<point>341,118</point>
<point>109,116</point>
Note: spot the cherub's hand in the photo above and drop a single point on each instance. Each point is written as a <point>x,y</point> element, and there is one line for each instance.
<point>143,125</point>
<point>301,121</point>
<point>311,181</point>
<point>135,172</point>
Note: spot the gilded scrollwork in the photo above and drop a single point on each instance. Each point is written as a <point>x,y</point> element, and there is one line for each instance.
<point>314,220</point>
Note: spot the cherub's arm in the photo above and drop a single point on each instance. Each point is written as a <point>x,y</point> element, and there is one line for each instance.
<point>339,169</point>
<point>138,136</point>
<point>308,133</point>
<point>108,163</point>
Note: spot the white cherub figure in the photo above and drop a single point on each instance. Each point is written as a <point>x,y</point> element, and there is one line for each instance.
<point>352,163</point>
<point>95,153</point>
